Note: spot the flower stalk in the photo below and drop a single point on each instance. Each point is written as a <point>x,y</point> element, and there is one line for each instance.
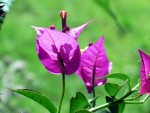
<point>93,86</point>
<point>63,92</point>
<point>63,15</point>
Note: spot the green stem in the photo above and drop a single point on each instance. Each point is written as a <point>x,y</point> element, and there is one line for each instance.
<point>116,101</point>
<point>94,102</point>
<point>93,86</point>
<point>63,91</point>
<point>135,87</point>
<point>137,102</point>
<point>133,98</point>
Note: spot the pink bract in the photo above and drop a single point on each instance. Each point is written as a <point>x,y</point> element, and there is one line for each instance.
<point>58,52</point>
<point>94,63</point>
<point>75,32</point>
<point>145,73</point>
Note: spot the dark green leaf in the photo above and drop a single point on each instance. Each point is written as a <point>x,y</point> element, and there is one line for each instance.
<point>109,99</point>
<point>120,76</point>
<point>37,97</point>
<point>78,103</point>
<point>113,108</point>
<point>121,107</point>
<point>116,107</point>
<point>112,89</point>
<point>83,111</point>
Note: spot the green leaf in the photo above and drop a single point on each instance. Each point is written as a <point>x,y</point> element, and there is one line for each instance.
<point>37,97</point>
<point>113,108</point>
<point>78,103</point>
<point>83,111</point>
<point>121,107</point>
<point>112,89</point>
<point>117,107</point>
<point>120,76</point>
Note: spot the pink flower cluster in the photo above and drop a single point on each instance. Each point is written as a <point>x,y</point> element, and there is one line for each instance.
<point>59,52</point>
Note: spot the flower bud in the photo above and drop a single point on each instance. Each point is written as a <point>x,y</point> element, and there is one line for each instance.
<point>63,14</point>
<point>52,27</point>
<point>90,44</point>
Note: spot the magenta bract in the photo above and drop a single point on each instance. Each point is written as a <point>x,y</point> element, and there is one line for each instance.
<point>58,52</point>
<point>75,32</point>
<point>94,63</point>
<point>145,73</point>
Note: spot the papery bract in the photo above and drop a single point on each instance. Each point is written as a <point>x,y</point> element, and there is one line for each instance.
<point>94,63</point>
<point>75,32</point>
<point>58,52</point>
<point>145,73</point>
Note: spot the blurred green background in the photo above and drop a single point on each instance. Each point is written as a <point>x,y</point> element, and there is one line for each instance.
<point>124,23</point>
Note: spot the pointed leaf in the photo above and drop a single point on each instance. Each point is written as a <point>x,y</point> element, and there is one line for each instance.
<point>120,76</point>
<point>75,32</point>
<point>57,51</point>
<point>112,89</point>
<point>37,97</point>
<point>78,103</point>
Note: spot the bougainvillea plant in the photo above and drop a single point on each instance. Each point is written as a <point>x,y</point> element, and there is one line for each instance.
<point>59,52</point>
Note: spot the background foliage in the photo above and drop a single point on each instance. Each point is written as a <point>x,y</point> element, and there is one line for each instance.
<point>17,41</point>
